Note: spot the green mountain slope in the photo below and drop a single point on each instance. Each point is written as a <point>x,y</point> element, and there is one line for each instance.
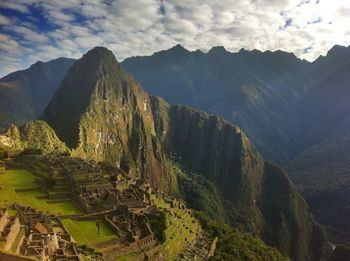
<point>34,135</point>
<point>103,114</point>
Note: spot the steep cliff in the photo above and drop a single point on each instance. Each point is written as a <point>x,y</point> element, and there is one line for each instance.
<point>256,196</point>
<point>103,114</point>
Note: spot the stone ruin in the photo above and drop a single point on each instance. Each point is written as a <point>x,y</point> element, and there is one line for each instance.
<point>124,204</point>
<point>90,184</point>
<point>9,228</point>
<point>125,199</point>
<point>45,236</point>
<point>136,233</point>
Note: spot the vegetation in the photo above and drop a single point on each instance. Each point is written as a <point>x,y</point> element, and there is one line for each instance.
<point>181,228</point>
<point>85,232</point>
<point>33,138</point>
<point>340,253</point>
<point>127,257</point>
<point>97,204</point>
<point>20,186</point>
<point>237,246</point>
<point>158,225</point>
<point>200,193</point>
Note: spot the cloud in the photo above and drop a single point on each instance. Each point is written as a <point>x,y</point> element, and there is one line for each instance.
<point>28,34</point>
<point>19,7</point>
<point>7,44</point>
<point>4,20</point>
<point>48,29</point>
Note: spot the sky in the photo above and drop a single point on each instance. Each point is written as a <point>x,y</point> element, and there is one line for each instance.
<point>44,30</point>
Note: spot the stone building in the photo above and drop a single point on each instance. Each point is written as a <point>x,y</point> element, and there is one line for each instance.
<point>45,236</point>
<point>9,228</point>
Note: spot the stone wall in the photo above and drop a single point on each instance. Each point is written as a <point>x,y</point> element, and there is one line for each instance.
<point>3,218</point>
<point>8,257</point>
<point>11,237</point>
<point>213,247</point>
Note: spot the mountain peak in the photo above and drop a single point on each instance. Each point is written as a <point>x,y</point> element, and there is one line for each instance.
<point>99,51</point>
<point>217,50</point>
<point>178,49</point>
<point>338,50</point>
<point>98,56</point>
<point>95,76</point>
<point>94,83</point>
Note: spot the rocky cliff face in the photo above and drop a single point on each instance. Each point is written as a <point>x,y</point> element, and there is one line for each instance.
<point>295,112</point>
<point>257,196</point>
<point>103,114</point>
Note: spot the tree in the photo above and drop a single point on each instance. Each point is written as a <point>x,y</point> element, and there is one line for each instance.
<point>97,204</point>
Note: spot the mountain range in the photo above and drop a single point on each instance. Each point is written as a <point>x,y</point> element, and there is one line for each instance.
<point>101,113</point>
<point>293,110</point>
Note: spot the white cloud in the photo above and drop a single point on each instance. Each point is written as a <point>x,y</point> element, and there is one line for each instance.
<point>4,20</point>
<point>19,7</point>
<point>7,44</point>
<point>142,27</point>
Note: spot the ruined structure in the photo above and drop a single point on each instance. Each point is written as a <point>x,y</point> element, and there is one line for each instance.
<point>127,205</point>
<point>98,190</point>
<point>9,228</point>
<point>45,236</point>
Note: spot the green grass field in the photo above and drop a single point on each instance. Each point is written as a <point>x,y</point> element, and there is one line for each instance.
<point>23,179</point>
<point>85,232</point>
<point>127,257</point>
<point>180,230</point>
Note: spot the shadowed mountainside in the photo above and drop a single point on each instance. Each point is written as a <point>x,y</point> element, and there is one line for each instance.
<point>24,94</point>
<point>295,112</point>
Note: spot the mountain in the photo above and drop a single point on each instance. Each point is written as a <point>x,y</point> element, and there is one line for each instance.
<point>102,113</point>
<point>295,112</point>
<point>24,94</point>
<point>259,91</point>
<point>33,135</point>
<point>250,89</point>
<point>322,169</point>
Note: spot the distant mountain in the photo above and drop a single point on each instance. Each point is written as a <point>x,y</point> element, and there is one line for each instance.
<point>102,113</point>
<point>322,170</point>
<point>250,89</point>
<point>24,94</point>
<point>259,91</point>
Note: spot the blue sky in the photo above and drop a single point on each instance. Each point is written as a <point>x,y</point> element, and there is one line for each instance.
<point>43,30</point>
